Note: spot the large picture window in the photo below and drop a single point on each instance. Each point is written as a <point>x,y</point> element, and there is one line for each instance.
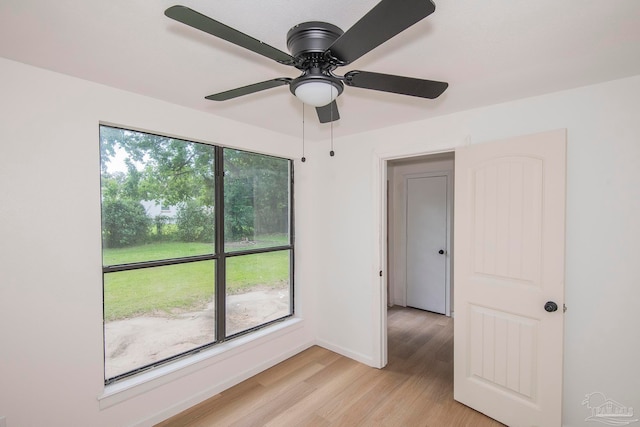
<point>197,246</point>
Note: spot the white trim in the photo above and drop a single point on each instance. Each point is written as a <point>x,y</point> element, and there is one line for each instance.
<point>358,357</point>
<point>379,176</point>
<point>378,315</point>
<point>146,381</point>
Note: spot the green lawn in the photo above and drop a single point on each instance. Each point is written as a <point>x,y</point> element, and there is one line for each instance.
<point>155,251</point>
<point>176,288</point>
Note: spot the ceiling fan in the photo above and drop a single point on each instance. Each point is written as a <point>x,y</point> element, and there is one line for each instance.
<point>318,48</point>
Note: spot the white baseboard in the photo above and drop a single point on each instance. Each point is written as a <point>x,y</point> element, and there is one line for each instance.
<point>347,353</point>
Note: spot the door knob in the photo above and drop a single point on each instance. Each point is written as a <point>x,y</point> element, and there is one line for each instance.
<point>551,306</point>
<point>441,251</point>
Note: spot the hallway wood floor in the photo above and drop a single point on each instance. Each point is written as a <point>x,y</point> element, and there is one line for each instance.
<point>320,388</point>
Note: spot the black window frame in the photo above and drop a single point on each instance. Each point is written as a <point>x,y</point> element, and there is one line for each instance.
<point>219,257</point>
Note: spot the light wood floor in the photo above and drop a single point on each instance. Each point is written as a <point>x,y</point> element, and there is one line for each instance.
<point>320,388</point>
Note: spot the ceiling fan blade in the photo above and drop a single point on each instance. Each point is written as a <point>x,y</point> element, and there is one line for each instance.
<point>395,84</point>
<point>387,19</point>
<point>201,22</point>
<point>246,90</point>
<point>328,113</point>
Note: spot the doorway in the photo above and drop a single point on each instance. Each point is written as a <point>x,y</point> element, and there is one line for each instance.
<point>420,214</point>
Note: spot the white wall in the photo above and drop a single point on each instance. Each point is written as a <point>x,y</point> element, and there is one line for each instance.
<point>603,229</point>
<point>51,351</point>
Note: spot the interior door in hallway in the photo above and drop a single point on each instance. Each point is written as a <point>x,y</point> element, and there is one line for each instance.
<point>509,278</point>
<point>426,198</point>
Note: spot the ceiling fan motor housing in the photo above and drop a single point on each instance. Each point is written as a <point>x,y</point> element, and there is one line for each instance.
<point>311,37</point>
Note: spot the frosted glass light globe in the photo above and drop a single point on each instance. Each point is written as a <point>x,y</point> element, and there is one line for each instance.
<point>317,93</point>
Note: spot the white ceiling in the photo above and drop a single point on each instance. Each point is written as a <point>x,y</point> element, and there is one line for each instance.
<point>489,51</point>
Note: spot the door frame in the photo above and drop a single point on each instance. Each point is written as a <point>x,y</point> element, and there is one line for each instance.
<point>379,255</point>
<point>448,229</point>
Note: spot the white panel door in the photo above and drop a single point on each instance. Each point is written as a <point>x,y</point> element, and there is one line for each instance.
<point>509,262</point>
<point>426,242</point>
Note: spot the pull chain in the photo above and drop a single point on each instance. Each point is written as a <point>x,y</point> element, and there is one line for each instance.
<point>331,153</point>
<point>304,159</point>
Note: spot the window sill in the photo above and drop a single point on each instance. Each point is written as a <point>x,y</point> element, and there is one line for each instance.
<point>147,381</point>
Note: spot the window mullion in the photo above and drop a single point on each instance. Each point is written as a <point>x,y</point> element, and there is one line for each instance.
<point>220,288</point>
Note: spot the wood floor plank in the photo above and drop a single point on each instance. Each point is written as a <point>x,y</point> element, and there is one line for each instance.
<point>265,413</point>
<point>393,410</point>
<point>342,401</point>
<point>240,400</point>
<point>367,401</point>
<point>274,392</point>
<point>332,372</point>
<point>320,388</point>
<point>314,354</point>
<point>331,384</point>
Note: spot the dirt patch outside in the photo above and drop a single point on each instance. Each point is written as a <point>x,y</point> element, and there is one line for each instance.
<point>131,343</point>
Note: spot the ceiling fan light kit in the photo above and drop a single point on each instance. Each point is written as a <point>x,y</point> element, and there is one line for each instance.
<point>316,93</point>
<point>318,48</point>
